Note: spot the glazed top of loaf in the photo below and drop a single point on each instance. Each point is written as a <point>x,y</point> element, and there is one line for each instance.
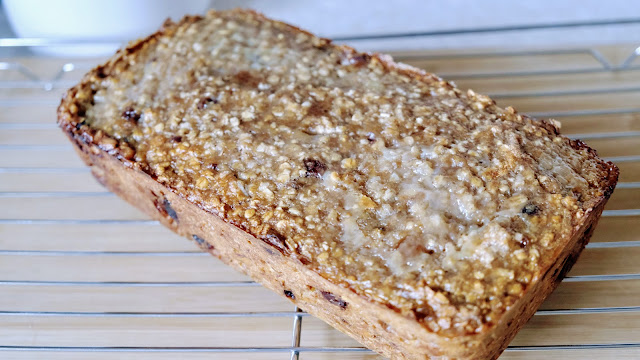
<point>380,177</point>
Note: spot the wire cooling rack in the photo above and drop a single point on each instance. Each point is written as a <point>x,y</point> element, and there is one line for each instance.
<point>84,275</point>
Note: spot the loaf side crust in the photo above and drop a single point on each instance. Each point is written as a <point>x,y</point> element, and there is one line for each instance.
<point>373,324</point>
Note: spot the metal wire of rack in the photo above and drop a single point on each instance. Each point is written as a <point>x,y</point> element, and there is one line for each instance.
<point>26,90</point>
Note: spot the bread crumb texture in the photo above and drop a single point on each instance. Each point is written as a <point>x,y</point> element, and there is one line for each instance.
<point>380,177</point>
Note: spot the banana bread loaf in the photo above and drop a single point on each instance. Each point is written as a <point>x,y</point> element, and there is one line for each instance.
<point>424,221</point>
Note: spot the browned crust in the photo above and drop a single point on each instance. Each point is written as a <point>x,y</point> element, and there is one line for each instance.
<point>374,325</point>
<point>169,27</point>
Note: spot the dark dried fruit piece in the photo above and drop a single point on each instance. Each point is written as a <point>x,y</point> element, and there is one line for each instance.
<point>204,102</point>
<point>524,242</point>
<point>198,239</point>
<point>164,207</point>
<point>100,73</point>
<point>334,299</point>
<point>169,210</point>
<point>530,209</point>
<point>276,240</point>
<point>289,294</point>
<point>79,125</point>
<point>130,114</point>
<point>360,60</point>
<point>202,242</point>
<point>371,137</point>
<point>315,168</point>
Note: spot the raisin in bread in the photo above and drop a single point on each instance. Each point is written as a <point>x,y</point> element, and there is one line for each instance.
<point>424,221</point>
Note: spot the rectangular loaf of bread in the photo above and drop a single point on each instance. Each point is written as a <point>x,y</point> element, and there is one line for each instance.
<point>424,221</point>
